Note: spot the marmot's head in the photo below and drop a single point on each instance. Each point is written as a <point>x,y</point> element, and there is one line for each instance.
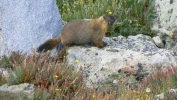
<point>110,19</point>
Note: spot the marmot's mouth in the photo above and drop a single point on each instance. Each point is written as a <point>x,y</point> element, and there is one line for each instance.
<point>112,23</point>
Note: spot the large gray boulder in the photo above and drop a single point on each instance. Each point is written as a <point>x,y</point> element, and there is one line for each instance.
<point>0,14</point>
<point>135,55</point>
<point>0,38</point>
<point>28,23</point>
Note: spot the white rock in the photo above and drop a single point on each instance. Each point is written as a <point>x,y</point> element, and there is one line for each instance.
<point>159,96</point>
<point>166,14</point>
<point>5,75</point>
<point>157,40</point>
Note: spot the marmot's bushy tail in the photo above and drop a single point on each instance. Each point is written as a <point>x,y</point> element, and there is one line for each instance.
<point>48,45</point>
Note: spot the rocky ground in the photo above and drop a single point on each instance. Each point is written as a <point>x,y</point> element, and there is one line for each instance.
<point>121,59</point>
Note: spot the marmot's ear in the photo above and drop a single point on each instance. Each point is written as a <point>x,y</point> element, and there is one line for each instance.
<point>108,17</point>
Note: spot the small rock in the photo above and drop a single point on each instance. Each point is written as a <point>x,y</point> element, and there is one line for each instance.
<point>5,75</point>
<point>1,71</point>
<point>158,42</point>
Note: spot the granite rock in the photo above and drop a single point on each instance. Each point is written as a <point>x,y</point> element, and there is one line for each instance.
<point>166,15</point>
<point>135,55</point>
<point>28,23</point>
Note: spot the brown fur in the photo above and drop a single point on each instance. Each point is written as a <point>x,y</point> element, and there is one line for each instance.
<point>81,31</point>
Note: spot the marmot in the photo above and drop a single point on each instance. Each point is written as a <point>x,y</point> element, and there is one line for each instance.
<point>81,31</point>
